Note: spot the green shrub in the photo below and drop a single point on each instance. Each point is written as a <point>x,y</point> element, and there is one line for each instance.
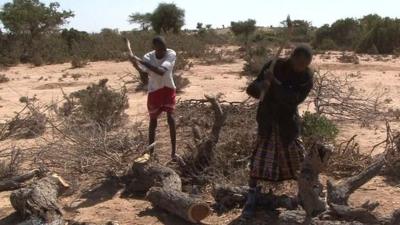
<point>97,103</point>
<point>317,128</point>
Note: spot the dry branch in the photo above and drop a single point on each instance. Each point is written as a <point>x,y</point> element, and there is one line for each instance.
<point>340,192</point>
<point>16,182</point>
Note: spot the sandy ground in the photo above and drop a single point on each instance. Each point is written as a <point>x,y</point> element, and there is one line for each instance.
<point>104,205</point>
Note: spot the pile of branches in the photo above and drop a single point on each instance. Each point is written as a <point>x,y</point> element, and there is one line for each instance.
<point>338,99</point>
<point>29,122</point>
<point>90,149</point>
<point>347,159</point>
<point>219,148</point>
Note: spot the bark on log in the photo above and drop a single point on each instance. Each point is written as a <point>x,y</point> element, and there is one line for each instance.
<point>17,181</point>
<point>298,217</point>
<point>309,186</point>
<point>164,189</point>
<point>347,213</point>
<point>178,203</point>
<point>146,174</point>
<point>340,192</point>
<point>38,202</point>
<point>228,197</point>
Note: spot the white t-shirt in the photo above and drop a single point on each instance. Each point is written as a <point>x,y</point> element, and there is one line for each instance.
<point>156,81</point>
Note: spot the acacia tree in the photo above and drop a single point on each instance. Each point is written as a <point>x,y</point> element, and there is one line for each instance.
<point>244,28</point>
<point>165,18</point>
<point>29,20</point>
<point>144,20</point>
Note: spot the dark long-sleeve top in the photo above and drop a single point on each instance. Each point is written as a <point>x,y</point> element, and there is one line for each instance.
<point>280,105</point>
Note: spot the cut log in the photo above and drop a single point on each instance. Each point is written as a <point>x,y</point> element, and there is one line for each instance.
<point>309,186</point>
<point>340,192</point>
<point>178,203</point>
<point>146,174</point>
<point>38,202</point>
<point>17,181</point>
<point>228,197</point>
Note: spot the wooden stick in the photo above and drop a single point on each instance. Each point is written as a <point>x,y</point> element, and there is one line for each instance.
<point>276,57</point>
<point>131,53</point>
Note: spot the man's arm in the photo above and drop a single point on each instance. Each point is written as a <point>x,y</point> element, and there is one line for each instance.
<point>167,65</point>
<point>258,85</point>
<point>159,70</point>
<point>135,64</point>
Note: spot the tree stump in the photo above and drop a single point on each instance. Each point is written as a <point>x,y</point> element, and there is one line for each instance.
<point>309,186</point>
<point>38,202</point>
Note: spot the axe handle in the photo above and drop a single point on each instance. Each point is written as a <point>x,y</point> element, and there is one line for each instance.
<point>275,59</point>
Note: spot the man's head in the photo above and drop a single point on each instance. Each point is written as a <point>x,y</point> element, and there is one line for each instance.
<point>301,58</point>
<point>160,46</point>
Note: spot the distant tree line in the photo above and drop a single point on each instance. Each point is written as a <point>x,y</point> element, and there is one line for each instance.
<point>31,34</point>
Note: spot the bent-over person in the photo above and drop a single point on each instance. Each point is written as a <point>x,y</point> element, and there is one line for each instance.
<point>279,151</point>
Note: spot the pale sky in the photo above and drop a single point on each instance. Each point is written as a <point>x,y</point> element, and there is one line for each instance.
<point>93,15</point>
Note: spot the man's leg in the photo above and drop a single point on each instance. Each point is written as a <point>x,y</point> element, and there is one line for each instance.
<point>152,133</point>
<point>172,132</point>
<point>251,201</point>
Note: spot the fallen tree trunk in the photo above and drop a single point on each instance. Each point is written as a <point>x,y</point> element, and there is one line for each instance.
<point>38,202</point>
<point>176,202</point>
<point>146,174</point>
<point>164,189</point>
<point>228,197</point>
<point>340,192</point>
<point>17,181</point>
<point>309,186</point>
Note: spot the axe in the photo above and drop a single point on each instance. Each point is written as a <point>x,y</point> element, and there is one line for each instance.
<point>128,45</point>
<point>270,70</point>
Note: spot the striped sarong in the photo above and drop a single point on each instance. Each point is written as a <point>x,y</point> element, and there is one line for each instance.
<point>272,160</point>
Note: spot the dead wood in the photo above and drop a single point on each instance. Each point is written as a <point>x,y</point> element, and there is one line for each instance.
<point>309,186</point>
<point>340,192</point>
<point>228,197</point>
<point>38,202</point>
<point>146,174</point>
<point>190,208</point>
<point>16,182</point>
<point>164,189</point>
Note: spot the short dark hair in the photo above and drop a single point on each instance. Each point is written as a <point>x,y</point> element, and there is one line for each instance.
<point>160,40</point>
<point>303,50</point>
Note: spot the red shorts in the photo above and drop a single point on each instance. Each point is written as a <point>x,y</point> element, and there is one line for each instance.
<point>162,100</point>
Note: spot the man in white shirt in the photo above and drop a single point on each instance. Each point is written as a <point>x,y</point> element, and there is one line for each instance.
<point>158,65</point>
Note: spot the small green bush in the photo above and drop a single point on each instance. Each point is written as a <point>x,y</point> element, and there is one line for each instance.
<point>97,103</point>
<point>317,128</point>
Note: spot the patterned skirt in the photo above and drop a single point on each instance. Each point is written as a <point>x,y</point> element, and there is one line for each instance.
<point>272,160</point>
